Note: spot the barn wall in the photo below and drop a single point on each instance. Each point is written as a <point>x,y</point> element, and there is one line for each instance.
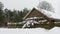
<point>35,13</point>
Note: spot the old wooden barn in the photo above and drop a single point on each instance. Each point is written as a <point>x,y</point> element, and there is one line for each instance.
<point>41,18</point>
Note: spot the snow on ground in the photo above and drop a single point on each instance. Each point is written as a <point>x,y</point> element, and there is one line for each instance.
<point>55,30</point>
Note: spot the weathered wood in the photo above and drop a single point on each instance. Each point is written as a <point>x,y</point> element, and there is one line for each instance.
<point>37,13</point>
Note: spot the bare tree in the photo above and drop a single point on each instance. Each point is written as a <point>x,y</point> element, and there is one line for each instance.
<point>46,6</point>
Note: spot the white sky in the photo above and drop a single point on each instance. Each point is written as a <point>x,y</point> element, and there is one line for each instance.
<point>56,6</point>
<point>20,4</point>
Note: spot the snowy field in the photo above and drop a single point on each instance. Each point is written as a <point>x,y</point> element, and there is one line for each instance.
<point>55,30</point>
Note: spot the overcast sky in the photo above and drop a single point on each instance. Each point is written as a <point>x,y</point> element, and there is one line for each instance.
<point>20,4</point>
<point>56,6</point>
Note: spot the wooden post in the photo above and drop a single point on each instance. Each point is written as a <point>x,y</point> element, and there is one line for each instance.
<point>51,23</point>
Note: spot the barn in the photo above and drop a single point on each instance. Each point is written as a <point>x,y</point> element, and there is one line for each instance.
<point>37,16</point>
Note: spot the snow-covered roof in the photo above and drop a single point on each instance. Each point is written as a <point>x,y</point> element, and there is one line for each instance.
<point>47,14</point>
<point>42,11</point>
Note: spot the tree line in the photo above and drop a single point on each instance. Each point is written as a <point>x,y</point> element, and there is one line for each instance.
<point>7,15</point>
